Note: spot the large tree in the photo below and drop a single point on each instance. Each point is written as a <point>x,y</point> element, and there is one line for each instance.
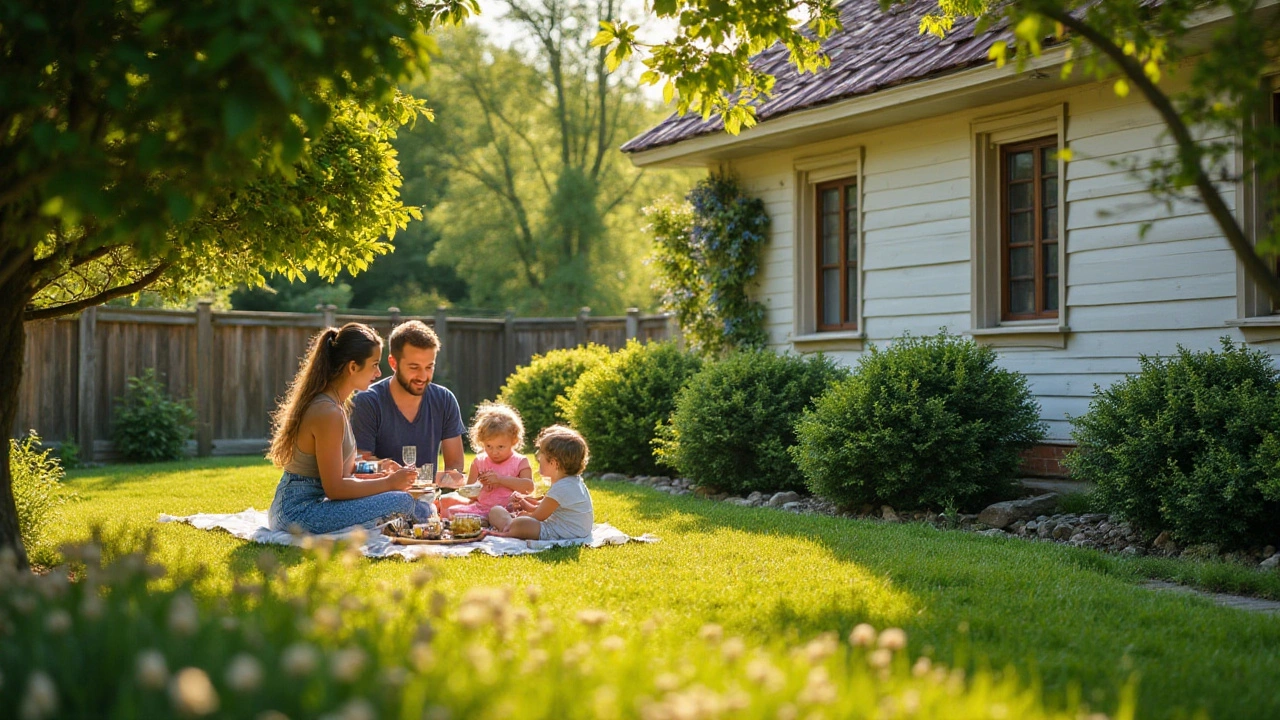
<point>151,144</point>
<point>540,211</point>
<point>706,67</point>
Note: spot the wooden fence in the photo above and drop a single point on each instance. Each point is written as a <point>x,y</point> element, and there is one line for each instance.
<point>235,365</point>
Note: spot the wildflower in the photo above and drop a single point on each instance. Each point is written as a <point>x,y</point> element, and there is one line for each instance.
<point>593,618</point>
<point>244,674</point>
<point>787,711</point>
<point>422,656</point>
<point>151,670</point>
<point>711,633</point>
<point>880,658</point>
<point>922,667</point>
<point>893,639</point>
<point>911,701</point>
<point>395,676</point>
<point>300,659</point>
<point>480,657</point>
<point>347,663</point>
<point>533,592</point>
<point>761,672</point>
<point>733,648</point>
<point>818,689</point>
<point>666,682</point>
<point>327,619</point>
<point>612,643</point>
<point>534,661</point>
<point>863,635</point>
<point>183,616</point>
<point>41,700</point>
<point>57,622</point>
<point>358,709</point>
<point>472,616</point>
<point>91,607</point>
<point>192,693</point>
<point>820,648</point>
<point>351,603</point>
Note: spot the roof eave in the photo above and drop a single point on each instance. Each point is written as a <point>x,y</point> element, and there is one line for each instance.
<point>893,106</point>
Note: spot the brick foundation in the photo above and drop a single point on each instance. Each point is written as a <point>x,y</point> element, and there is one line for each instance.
<point>1045,461</point>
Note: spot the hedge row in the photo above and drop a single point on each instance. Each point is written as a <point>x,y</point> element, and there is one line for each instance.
<point>1191,444</point>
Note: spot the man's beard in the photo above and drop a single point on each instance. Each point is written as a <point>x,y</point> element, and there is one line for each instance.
<point>408,387</point>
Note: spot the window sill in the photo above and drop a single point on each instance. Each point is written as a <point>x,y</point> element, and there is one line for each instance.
<point>1263,328</point>
<point>1053,337</point>
<point>834,340</point>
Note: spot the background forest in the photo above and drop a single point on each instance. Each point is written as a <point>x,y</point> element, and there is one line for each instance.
<point>527,202</point>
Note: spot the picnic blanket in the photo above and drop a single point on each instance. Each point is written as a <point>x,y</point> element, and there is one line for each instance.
<point>251,525</point>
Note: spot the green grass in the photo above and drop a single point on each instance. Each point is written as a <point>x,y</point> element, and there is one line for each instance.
<point>1072,619</point>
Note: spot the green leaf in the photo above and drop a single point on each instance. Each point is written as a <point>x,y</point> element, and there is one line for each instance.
<point>238,116</point>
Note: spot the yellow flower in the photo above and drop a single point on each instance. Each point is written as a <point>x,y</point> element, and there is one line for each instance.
<point>151,670</point>
<point>192,693</point>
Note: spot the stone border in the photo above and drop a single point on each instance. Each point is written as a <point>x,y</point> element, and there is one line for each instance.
<point>1026,519</point>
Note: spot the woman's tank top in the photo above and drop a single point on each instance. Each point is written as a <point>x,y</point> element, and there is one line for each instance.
<point>304,463</point>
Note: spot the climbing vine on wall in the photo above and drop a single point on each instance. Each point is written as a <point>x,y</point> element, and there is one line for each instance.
<point>707,253</point>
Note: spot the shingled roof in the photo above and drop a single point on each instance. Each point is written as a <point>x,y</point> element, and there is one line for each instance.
<point>876,50</point>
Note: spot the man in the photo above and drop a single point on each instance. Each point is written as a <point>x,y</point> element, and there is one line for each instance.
<point>408,409</point>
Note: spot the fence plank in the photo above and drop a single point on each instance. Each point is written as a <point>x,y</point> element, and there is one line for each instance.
<point>236,366</point>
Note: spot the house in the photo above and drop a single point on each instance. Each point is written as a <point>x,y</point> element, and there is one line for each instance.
<point>913,186</point>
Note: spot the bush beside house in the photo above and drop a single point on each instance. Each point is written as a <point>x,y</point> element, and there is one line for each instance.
<point>537,390</point>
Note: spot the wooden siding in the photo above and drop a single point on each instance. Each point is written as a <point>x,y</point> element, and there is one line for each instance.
<point>1141,278</point>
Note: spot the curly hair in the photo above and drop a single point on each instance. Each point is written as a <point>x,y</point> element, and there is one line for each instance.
<point>496,420</point>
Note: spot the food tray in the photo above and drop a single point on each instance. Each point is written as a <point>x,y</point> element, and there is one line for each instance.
<point>445,541</point>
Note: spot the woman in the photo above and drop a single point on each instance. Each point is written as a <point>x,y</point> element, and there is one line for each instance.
<point>313,443</point>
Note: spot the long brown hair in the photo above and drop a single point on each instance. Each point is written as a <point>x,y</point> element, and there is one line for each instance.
<point>326,359</point>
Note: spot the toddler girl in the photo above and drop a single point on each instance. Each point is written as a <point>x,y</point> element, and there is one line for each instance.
<point>565,512</point>
<point>496,434</point>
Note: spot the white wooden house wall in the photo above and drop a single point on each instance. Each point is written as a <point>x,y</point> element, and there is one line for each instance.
<point>1126,294</point>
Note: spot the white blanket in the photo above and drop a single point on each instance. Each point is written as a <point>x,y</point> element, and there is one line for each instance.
<point>252,525</point>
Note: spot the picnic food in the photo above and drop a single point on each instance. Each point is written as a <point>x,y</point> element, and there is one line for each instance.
<point>471,492</point>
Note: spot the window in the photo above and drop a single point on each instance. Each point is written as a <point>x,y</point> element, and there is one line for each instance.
<point>837,253</point>
<point>1257,315</point>
<point>1018,236</point>
<point>828,251</point>
<point>1029,232</point>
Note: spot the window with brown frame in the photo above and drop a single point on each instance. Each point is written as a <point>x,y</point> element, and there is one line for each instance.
<point>1029,237</point>
<point>837,231</point>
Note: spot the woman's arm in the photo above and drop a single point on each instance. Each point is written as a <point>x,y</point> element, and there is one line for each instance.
<point>326,426</point>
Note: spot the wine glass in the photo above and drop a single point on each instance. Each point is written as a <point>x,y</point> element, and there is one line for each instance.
<point>409,454</point>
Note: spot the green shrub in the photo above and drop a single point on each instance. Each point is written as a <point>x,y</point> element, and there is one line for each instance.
<point>38,494</point>
<point>535,390</point>
<point>149,426</point>
<point>735,421</point>
<point>932,421</point>
<point>619,404</point>
<point>1189,444</point>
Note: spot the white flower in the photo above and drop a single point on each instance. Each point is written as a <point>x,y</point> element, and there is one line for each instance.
<point>184,619</point>
<point>711,633</point>
<point>328,619</point>
<point>151,670</point>
<point>593,618</point>
<point>880,658</point>
<point>612,643</point>
<point>733,648</point>
<point>358,709</point>
<point>347,663</point>
<point>922,667</point>
<point>41,700</point>
<point>92,606</point>
<point>863,635</point>
<point>244,674</point>
<point>57,622</point>
<point>300,659</point>
<point>192,693</point>
<point>893,639</point>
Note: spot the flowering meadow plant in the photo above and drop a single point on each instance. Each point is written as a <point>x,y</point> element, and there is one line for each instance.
<point>121,638</point>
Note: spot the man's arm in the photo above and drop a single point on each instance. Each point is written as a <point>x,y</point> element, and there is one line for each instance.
<point>454,457</point>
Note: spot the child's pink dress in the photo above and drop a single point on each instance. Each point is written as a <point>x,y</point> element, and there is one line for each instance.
<point>497,496</point>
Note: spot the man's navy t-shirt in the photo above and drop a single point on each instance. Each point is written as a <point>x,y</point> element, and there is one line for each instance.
<point>380,427</point>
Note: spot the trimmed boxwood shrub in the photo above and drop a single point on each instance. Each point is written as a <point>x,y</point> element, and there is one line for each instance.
<point>929,422</point>
<point>149,426</point>
<point>735,421</point>
<point>535,390</point>
<point>619,404</point>
<point>1188,445</point>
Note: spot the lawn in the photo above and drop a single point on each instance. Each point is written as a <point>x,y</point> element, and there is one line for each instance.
<point>1072,620</point>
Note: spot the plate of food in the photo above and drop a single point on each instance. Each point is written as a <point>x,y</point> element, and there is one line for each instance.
<point>470,492</point>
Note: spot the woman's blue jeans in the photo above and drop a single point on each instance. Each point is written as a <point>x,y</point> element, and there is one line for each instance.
<point>300,502</point>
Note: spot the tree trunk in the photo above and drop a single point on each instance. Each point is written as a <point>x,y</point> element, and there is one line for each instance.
<point>15,294</point>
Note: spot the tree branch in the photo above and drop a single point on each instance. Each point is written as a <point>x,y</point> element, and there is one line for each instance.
<point>102,297</point>
<point>1188,150</point>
